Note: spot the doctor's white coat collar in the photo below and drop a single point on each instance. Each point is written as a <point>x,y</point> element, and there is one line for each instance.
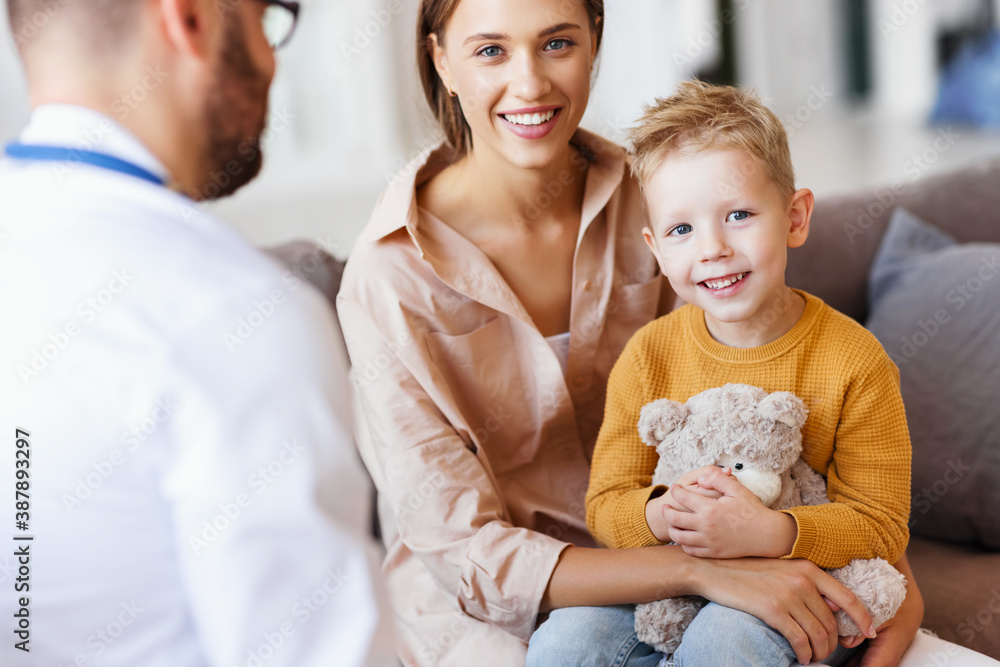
<point>76,127</point>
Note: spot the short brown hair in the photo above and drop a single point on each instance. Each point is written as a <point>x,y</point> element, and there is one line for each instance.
<point>432,18</point>
<point>102,25</point>
<point>700,116</point>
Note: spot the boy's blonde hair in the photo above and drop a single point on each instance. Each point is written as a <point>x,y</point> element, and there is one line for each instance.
<point>700,116</point>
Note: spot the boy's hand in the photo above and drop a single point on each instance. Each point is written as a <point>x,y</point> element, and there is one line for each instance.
<point>734,525</point>
<point>690,479</point>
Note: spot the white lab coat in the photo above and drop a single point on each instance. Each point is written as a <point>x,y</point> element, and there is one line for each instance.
<point>196,498</point>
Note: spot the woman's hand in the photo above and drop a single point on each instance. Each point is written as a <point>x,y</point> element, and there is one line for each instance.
<point>792,596</point>
<point>733,525</point>
<point>896,634</point>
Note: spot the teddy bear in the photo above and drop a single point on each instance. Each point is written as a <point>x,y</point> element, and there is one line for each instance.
<point>759,436</point>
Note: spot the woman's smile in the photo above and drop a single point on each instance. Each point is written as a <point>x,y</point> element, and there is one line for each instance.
<point>533,123</point>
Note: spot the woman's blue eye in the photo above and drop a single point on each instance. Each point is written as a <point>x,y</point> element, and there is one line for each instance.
<point>681,230</point>
<point>558,44</point>
<point>490,51</point>
<point>737,216</point>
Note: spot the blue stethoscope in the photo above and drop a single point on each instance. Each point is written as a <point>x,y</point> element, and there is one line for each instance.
<point>71,155</point>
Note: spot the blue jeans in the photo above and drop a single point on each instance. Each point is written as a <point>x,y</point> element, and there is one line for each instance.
<point>590,637</point>
<point>725,637</point>
<point>605,637</point>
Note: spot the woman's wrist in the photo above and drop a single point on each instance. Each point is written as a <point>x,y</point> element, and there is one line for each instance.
<point>694,575</point>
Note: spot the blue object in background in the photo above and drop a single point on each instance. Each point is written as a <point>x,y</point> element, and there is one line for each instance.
<point>970,86</point>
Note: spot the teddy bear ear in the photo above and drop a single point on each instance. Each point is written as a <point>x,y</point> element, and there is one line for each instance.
<point>659,419</point>
<point>784,407</point>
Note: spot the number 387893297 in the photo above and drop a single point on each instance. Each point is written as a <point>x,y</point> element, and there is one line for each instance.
<point>22,477</point>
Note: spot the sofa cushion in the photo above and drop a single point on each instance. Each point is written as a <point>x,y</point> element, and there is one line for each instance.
<point>935,307</point>
<point>846,230</point>
<point>961,589</point>
<point>313,264</point>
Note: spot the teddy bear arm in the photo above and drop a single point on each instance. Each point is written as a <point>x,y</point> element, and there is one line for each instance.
<point>811,484</point>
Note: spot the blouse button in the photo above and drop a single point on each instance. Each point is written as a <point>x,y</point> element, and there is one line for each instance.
<point>587,285</point>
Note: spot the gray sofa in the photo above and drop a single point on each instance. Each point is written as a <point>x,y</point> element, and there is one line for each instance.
<point>960,582</point>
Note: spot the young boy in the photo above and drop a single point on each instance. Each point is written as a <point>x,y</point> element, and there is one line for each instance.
<point>722,208</point>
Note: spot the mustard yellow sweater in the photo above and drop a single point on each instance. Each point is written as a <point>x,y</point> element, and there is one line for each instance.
<point>855,436</point>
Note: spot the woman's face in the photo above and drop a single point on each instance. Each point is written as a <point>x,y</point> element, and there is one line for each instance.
<point>521,69</point>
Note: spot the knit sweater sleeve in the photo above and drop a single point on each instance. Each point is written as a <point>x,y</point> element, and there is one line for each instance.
<point>622,466</point>
<point>868,480</point>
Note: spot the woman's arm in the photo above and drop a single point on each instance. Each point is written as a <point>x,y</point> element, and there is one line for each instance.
<point>447,507</point>
<point>793,596</point>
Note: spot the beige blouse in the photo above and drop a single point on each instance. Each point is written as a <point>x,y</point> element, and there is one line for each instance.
<point>478,444</point>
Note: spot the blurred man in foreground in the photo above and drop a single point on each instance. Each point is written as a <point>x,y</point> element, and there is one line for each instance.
<point>175,402</point>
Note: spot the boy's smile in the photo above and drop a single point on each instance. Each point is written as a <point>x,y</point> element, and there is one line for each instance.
<point>720,229</point>
<point>726,285</point>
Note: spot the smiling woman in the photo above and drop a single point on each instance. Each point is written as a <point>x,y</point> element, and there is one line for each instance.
<point>521,230</point>
<point>441,96</point>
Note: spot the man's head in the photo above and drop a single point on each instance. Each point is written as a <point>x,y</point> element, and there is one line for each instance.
<point>189,77</point>
<point>717,180</point>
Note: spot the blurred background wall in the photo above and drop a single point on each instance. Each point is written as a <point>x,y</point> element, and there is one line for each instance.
<point>855,82</point>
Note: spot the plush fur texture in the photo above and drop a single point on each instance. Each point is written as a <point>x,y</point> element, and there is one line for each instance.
<point>740,424</point>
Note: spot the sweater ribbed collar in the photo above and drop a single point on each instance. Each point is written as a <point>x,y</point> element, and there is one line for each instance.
<point>713,348</point>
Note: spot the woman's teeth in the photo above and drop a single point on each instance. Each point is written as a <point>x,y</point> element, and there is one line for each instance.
<point>724,282</point>
<point>529,118</point>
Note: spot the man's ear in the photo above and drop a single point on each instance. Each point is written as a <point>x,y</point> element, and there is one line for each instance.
<point>436,48</point>
<point>799,214</point>
<point>192,26</point>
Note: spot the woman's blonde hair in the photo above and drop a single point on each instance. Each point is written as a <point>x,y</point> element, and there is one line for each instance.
<point>432,18</point>
<point>700,116</point>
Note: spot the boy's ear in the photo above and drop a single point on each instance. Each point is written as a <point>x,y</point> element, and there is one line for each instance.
<point>647,235</point>
<point>799,215</point>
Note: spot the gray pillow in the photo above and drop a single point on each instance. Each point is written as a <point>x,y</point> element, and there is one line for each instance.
<point>935,307</point>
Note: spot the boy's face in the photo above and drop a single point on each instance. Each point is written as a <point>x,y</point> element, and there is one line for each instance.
<point>720,229</point>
